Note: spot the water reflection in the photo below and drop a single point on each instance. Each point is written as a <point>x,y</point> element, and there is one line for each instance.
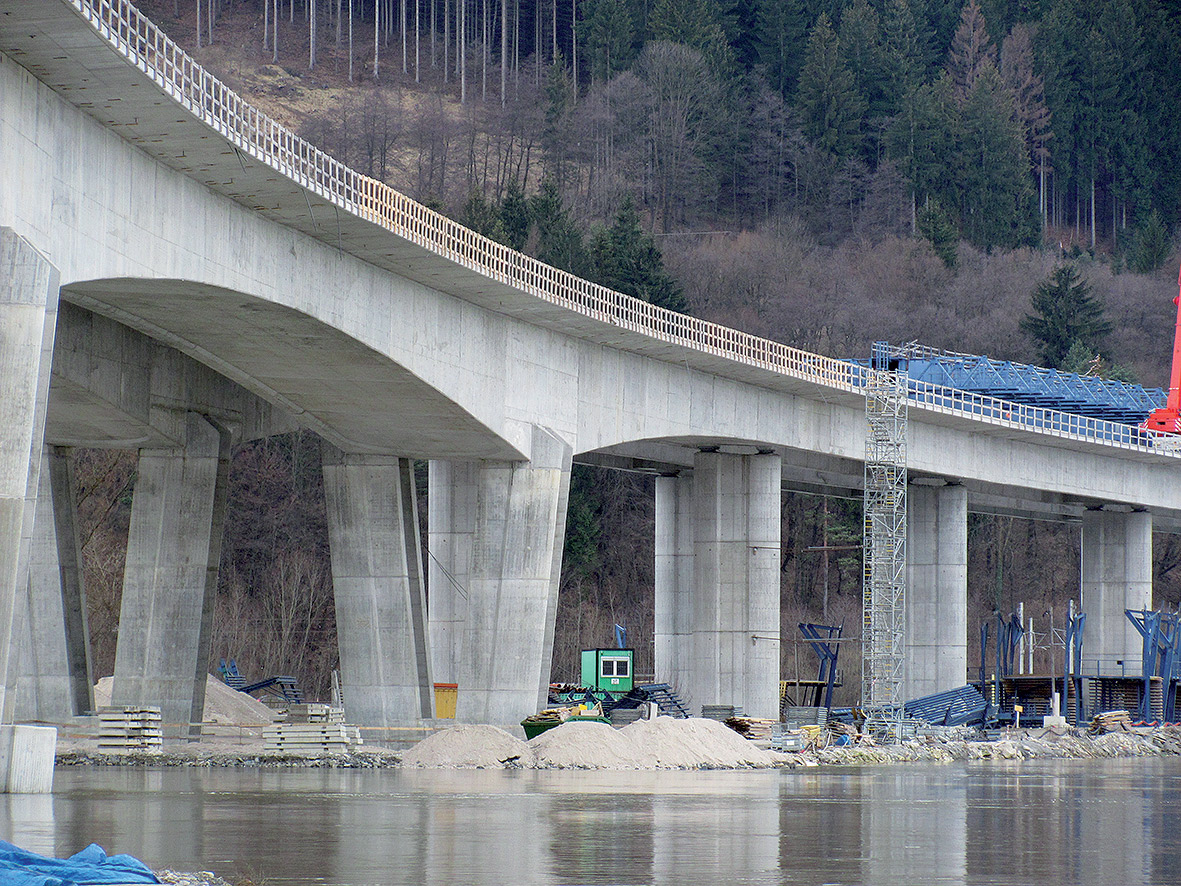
<point>1042,823</point>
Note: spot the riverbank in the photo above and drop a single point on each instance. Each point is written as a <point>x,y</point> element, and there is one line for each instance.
<point>663,743</point>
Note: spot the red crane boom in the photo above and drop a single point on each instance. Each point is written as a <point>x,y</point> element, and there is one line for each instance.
<point>1168,418</point>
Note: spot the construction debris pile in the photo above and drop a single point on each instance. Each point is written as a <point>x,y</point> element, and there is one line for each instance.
<point>1111,721</point>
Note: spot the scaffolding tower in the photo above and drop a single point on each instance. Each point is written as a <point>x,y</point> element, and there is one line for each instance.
<point>884,590</point>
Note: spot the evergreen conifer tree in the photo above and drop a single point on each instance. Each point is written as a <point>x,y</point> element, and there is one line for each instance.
<point>831,108</point>
<point>998,207</point>
<point>626,259</point>
<point>558,241</point>
<point>1065,312</point>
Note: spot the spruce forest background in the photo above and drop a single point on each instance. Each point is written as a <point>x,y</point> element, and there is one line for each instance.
<point>998,176</point>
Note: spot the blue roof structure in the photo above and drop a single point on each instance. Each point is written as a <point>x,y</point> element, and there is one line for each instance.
<point>1085,395</point>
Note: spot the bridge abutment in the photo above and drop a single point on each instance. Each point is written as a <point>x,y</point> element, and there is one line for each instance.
<point>937,589</point>
<point>1116,575</point>
<point>53,679</point>
<point>513,517</point>
<point>170,580</point>
<point>736,550</point>
<point>378,586</point>
<point>673,628</point>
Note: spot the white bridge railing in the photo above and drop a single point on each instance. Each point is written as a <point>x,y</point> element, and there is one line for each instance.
<point>143,44</point>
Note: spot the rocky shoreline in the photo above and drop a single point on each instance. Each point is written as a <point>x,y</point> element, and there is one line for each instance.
<point>367,759</point>
<point>958,746</point>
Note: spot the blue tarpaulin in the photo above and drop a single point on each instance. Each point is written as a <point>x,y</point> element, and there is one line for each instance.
<point>92,865</point>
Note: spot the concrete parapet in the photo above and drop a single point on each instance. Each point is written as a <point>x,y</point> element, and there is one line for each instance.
<point>378,587</point>
<point>937,589</point>
<point>26,759</point>
<point>170,580</point>
<point>736,545</point>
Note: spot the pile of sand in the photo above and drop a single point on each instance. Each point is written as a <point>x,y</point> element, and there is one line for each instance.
<point>590,746</point>
<point>696,743</point>
<point>663,743</point>
<point>469,747</point>
<point>223,706</point>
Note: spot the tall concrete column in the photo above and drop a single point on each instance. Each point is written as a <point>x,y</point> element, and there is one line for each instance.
<point>377,583</point>
<point>1116,575</point>
<point>451,531</point>
<point>515,517</point>
<point>28,317</point>
<point>53,679</point>
<point>736,544</point>
<point>936,589</point>
<point>170,580</point>
<point>674,582</point>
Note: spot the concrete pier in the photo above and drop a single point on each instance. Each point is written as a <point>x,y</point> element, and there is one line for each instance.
<point>451,529</point>
<point>378,585</point>
<point>28,315</point>
<point>674,582</point>
<point>512,584</point>
<point>170,580</point>
<point>937,589</point>
<point>736,545</point>
<point>1116,575</point>
<point>52,675</point>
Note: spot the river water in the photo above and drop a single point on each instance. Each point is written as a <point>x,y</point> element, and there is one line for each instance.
<point>1041,822</point>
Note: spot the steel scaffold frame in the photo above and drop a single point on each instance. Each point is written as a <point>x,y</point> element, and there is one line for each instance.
<point>884,588</point>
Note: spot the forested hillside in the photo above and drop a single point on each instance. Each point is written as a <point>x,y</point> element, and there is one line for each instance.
<point>821,172</point>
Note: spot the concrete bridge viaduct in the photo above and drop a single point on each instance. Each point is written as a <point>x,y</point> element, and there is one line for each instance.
<point>177,272</point>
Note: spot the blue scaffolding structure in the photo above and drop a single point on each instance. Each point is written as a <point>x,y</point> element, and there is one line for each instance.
<point>1084,395</point>
<point>1162,657</point>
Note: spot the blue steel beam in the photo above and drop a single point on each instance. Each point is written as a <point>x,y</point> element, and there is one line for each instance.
<point>1033,385</point>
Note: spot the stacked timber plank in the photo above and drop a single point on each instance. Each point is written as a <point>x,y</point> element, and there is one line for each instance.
<point>1111,721</point>
<point>753,728</point>
<point>311,729</point>
<point>130,729</point>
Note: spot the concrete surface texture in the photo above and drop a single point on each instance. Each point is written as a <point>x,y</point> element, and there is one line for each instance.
<point>170,579</point>
<point>377,579</point>
<point>50,670</point>
<point>26,759</point>
<point>211,292</point>
<point>1116,575</point>
<point>736,535</point>
<point>936,589</point>
<point>512,588</point>
<point>673,591</point>
<point>28,313</point>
